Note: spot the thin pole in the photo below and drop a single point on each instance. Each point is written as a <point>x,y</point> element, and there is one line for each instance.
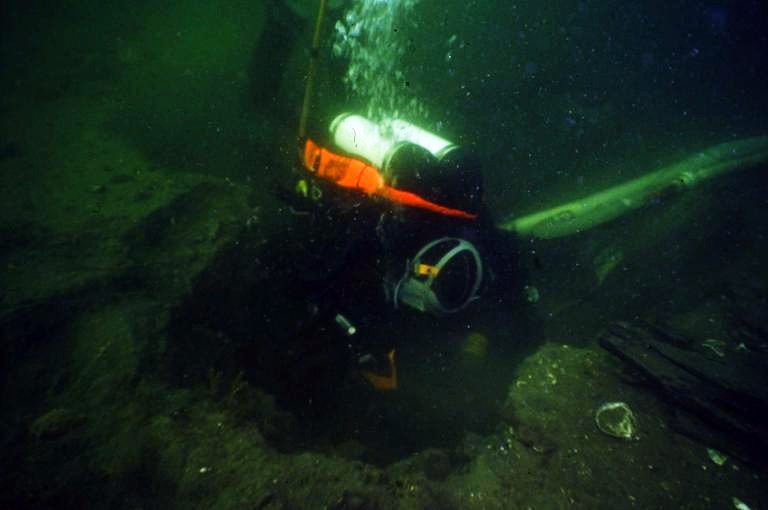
<point>313,58</point>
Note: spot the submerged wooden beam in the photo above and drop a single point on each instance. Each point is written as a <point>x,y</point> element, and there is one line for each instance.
<point>721,400</point>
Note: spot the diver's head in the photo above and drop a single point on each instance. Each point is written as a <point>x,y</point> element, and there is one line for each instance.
<point>442,278</point>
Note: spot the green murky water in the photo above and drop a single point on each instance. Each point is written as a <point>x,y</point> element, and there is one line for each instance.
<point>168,303</point>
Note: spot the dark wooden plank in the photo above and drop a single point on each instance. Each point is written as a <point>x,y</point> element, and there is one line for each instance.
<point>722,401</point>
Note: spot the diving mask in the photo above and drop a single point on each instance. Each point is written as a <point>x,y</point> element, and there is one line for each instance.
<point>444,277</point>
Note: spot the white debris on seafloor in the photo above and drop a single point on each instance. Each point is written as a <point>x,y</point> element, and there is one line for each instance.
<point>717,457</point>
<point>715,345</point>
<point>616,419</point>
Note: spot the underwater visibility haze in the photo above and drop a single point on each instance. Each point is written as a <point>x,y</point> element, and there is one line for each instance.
<point>372,254</point>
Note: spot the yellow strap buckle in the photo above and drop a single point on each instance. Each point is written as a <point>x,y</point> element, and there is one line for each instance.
<point>427,270</point>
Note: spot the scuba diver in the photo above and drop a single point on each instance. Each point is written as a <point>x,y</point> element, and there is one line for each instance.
<point>395,222</point>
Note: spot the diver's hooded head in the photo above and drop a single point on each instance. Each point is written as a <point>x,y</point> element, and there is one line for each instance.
<point>443,277</point>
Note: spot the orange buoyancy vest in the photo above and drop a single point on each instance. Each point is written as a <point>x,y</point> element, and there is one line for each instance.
<point>355,174</point>
<point>344,171</point>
